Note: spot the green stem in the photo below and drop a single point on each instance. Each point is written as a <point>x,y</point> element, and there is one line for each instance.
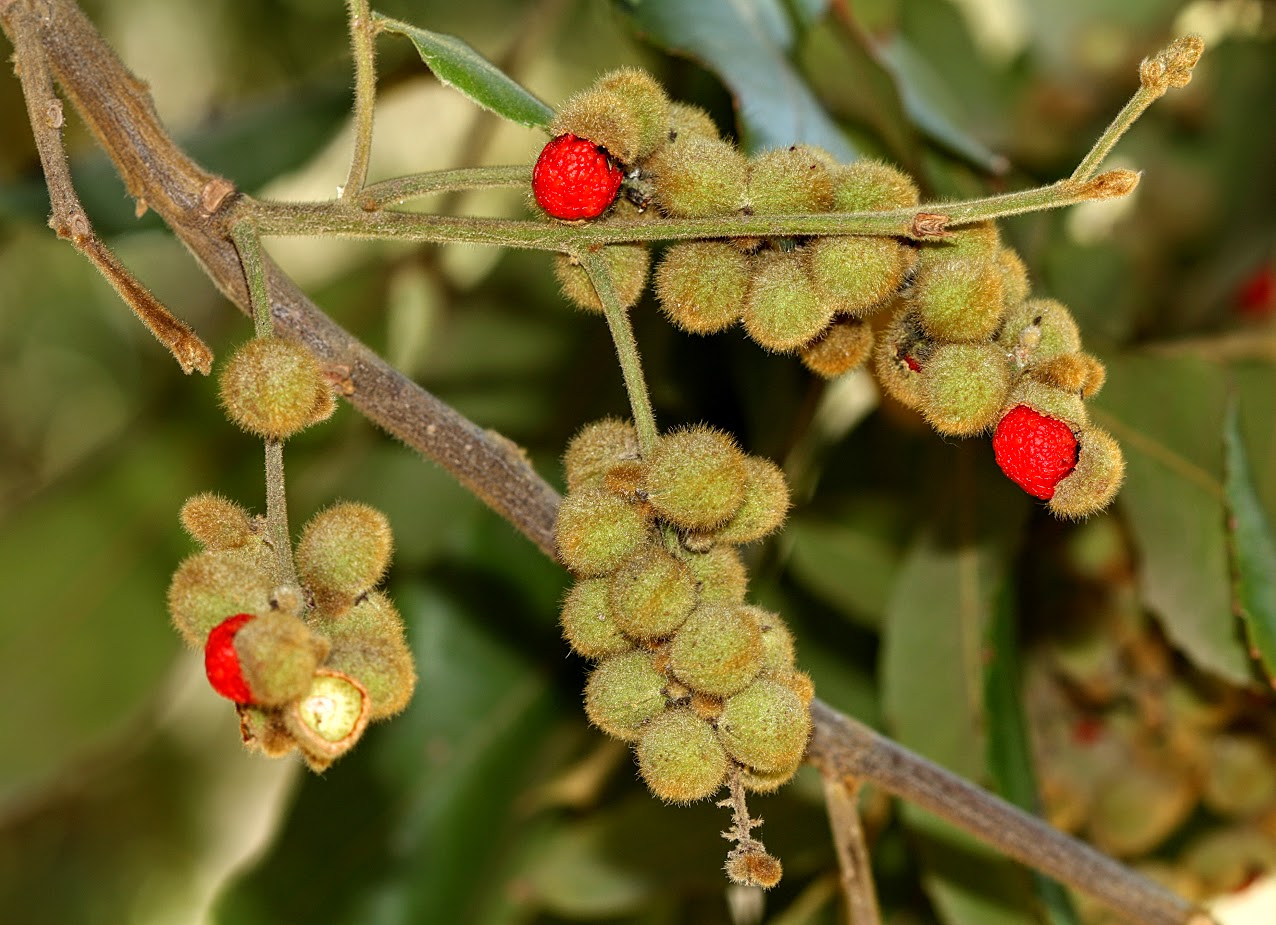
<point>414,186</point>
<point>622,335</point>
<point>277,514</point>
<point>1142,99</point>
<point>326,219</point>
<point>248,244</point>
<point>363,48</point>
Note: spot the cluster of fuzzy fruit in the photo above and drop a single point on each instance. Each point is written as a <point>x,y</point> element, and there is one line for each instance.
<point>699,680</point>
<point>969,349</point>
<point>309,660</point>
<point>965,345</point>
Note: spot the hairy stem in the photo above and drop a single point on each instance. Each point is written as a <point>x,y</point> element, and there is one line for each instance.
<point>363,49</point>
<point>249,246</point>
<point>841,796</point>
<point>402,189</point>
<point>622,335</point>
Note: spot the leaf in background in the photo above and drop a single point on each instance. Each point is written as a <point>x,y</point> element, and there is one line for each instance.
<point>849,562</point>
<point>459,66</point>
<point>933,672</point>
<point>746,43</point>
<point>1253,548</point>
<point>1009,751</point>
<point>1165,413</point>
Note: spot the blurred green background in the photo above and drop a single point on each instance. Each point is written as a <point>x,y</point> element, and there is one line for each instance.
<point>909,568</point>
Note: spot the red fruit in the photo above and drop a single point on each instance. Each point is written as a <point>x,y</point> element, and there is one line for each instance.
<point>1257,295</point>
<point>221,661</point>
<point>575,178</point>
<point>1036,452</point>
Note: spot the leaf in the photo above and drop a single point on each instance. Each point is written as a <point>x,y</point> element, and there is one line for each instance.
<point>746,43</point>
<point>933,671</point>
<point>850,562</point>
<point>1252,546</point>
<point>459,66</point>
<point>1173,495</point>
<point>1009,750</point>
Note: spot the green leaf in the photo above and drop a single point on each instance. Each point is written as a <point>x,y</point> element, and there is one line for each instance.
<point>747,44</point>
<point>850,563</point>
<point>1009,751</point>
<point>1173,495</point>
<point>459,66</point>
<point>933,671</point>
<point>1252,546</point>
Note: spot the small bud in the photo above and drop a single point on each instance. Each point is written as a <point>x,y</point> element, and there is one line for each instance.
<point>718,651</point>
<point>216,522</point>
<point>702,285</point>
<point>596,531</point>
<point>685,118</point>
<point>872,186</point>
<point>209,586</point>
<point>1037,331</point>
<point>680,757</point>
<point>857,273</point>
<point>765,504</point>
<point>330,718</point>
<point>964,387</point>
<point>720,574</point>
<point>843,346</point>
<point>596,448</point>
<point>696,477</point>
<point>646,101</point>
<point>278,656</point>
<point>959,299</point>
<point>587,621</point>
<point>765,726</point>
<point>1094,482</point>
<point>784,310</point>
<point>696,177</point>
<point>651,595</point>
<point>754,867</point>
<point>628,264</point>
<point>270,387</point>
<point>368,645</point>
<point>344,550</point>
<point>623,693</point>
<point>794,179</point>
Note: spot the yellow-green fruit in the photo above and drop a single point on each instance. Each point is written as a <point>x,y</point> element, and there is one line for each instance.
<point>1038,330</point>
<point>856,273</point>
<point>1014,275</point>
<point>587,621</point>
<point>757,782</point>
<point>754,867</point>
<point>794,179</point>
<point>651,595</point>
<point>981,239</point>
<point>680,757</point>
<point>696,477</point>
<point>765,504</point>
<point>1137,807</point>
<point>271,387</point>
<point>765,726</point>
<point>900,357</point>
<point>1048,400</point>
<point>596,448</point>
<point>1092,485</point>
<point>696,177</point>
<point>685,118</point>
<point>605,118</point>
<point>368,644</point>
<point>959,299</point>
<point>1226,859</point>
<point>1096,375</point>
<point>216,522</point>
<point>702,285</point>
<point>843,346</point>
<point>718,651</point>
<point>596,531</point>
<point>964,387</point>
<point>1068,372</point>
<point>872,186</point>
<point>784,309</point>
<point>210,586</point>
<point>628,263</point>
<point>331,717</point>
<point>777,641</point>
<point>1240,775</point>
<point>623,693</point>
<point>720,575</point>
<point>797,681</point>
<point>344,550</point>
<point>646,101</point>
<point>278,656</point>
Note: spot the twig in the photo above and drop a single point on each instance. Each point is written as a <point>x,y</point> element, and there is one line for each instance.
<point>201,209</point>
<point>363,49</point>
<point>841,795</point>
<point>402,189</point>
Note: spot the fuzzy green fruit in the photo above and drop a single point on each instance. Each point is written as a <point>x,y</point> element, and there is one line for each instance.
<point>765,504</point>
<point>855,274</point>
<point>793,179</point>
<point>368,645</point>
<point>628,264</point>
<point>784,309</point>
<point>959,299</point>
<point>901,355</point>
<point>651,594</point>
<point>720,575</point>
<point>273,388</point>
<point>964,387</point>
<point>597,447</point>
<point>1037,331</point>
<point>278,656</point>
<point>696,477</point>
<point>694,176</point>
<point>216,522</point>
<point>718,651</point>
<point>588,623</point>
<point>596,531</point>
<point>1092,485</point>
<point>344,550</point>
<point>623,693</point>
<point>702,285</point>
<point>765,726</point>
<point>210,586</point>
<point>680,757</point>
<point>872,186</point>
<point>645,99</point>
